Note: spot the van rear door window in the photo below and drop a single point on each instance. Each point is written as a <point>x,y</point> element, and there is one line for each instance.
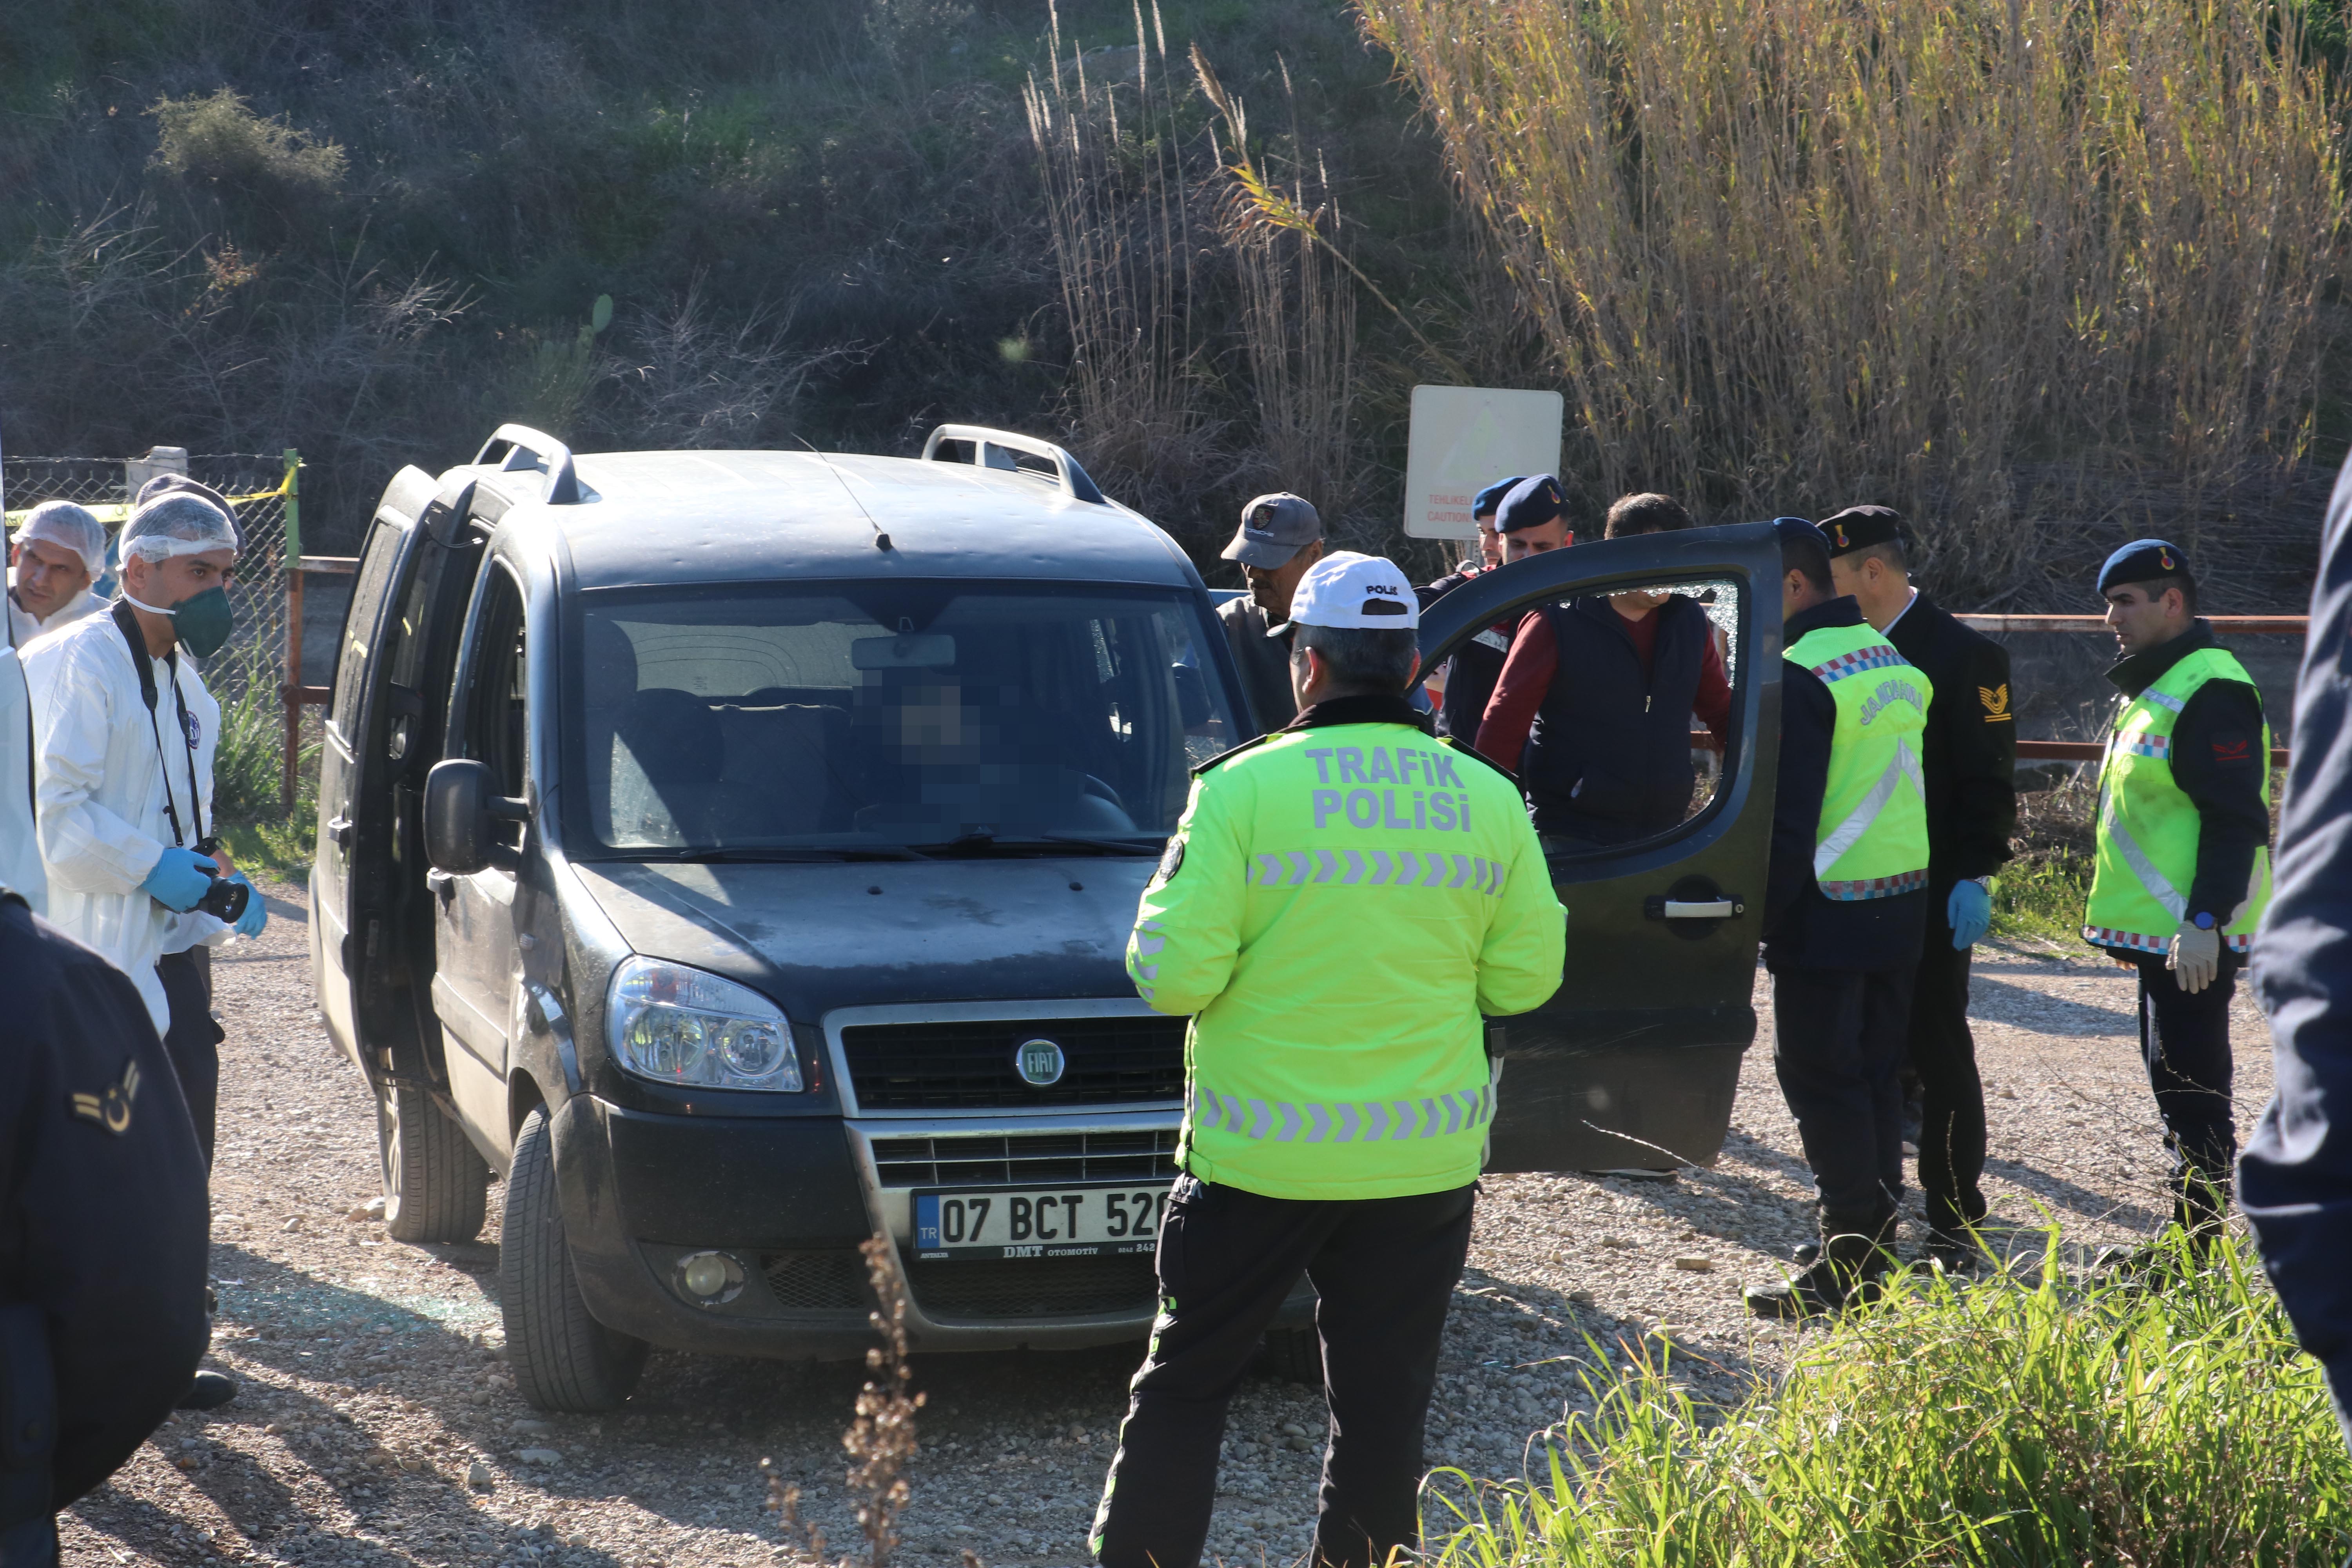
<point>889,714</point>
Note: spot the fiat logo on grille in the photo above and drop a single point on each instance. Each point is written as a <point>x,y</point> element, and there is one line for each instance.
<point>1039,1063</point>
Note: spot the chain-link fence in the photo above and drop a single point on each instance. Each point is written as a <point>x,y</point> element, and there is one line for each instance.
<point>249,674</point>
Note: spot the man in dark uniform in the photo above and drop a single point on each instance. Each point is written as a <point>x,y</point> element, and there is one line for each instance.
<point>1280,537</point>
<point>1605,756</point>
<point>1971,758</point>
<point>1476,664</point>
<point>102,1223</point>
<point>2183,870</point>
<point>1845,903</point>
<point>2294,1183</point>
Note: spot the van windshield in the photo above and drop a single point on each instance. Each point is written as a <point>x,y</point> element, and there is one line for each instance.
<point>894,716</point>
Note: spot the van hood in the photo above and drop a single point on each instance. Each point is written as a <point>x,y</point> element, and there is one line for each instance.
<point>815,938</point>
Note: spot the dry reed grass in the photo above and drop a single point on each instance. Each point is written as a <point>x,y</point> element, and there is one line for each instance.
<point>1981,258</point>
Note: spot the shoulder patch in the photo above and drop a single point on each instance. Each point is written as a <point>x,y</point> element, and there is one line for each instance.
<point>1996,703</point>
<point>110,1109</point>
<point>1488,763</point>
<point>1170,862</point>
<point>1230,752</point>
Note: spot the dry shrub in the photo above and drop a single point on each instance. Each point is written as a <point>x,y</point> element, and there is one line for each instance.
<point>1976,257</point>
<point>705,381</point>
<point>217,138</point>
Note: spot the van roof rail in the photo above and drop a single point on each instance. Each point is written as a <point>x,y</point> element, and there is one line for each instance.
<point>529,449</point>
<point>1073,478</point>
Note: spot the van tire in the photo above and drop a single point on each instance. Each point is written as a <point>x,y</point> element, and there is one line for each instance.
<point>1294,1355</point>
<point>562,1357</point>
<point>434,1181</point>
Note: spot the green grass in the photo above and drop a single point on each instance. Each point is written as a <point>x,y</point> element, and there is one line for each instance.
<point>2013,1423</point>
<point>2041,897</point>
<point>246,804</point>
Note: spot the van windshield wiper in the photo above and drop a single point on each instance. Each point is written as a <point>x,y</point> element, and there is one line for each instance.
<point>753,855</point>
<point>1044,844</point>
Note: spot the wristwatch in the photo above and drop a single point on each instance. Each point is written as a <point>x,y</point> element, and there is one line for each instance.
<point>2202,919</point>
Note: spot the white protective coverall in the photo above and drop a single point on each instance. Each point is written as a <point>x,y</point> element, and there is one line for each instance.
<point>20,849</point>
<point>98,790</point>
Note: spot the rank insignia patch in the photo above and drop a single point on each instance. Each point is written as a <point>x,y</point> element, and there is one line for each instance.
<point>1996,704</point>
<point>111,1109</point>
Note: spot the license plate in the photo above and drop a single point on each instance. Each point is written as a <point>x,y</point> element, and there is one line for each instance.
<point>1037,1222</point>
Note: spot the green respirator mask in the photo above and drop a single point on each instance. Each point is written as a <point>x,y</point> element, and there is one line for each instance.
<point>200,623</point>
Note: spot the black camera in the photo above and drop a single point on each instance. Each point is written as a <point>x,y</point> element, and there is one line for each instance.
<point>223,901</point>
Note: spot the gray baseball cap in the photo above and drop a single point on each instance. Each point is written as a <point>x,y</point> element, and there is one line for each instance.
<point>1274,529</point>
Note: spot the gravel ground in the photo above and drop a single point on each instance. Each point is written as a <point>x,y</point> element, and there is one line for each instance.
<point>378,1426</point>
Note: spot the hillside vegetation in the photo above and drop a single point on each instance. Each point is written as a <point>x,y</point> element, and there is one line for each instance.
<point>1212,244</point>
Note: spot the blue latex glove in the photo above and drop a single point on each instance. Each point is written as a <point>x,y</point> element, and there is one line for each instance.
<point>180,879</point>
<point>255,914</point>
<point>1967,911</point>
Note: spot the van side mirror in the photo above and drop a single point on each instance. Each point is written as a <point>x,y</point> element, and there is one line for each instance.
<point>462,809</point>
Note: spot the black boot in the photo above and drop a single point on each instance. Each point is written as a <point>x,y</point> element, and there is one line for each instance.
<point>2184,1248</point>
<point>1847,1272</point>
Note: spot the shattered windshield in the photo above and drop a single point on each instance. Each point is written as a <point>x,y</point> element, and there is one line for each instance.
<point>855,717</point>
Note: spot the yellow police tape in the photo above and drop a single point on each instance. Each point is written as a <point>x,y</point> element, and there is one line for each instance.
<point>114,512</point>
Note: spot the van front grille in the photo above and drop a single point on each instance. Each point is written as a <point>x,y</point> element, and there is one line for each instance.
<point>816,1282</point>
<point>1036,1287</point>
<point>1049,1157</point>
<point>972,1066</point>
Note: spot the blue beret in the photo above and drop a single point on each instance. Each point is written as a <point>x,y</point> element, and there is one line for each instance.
<point>1487,500</point>
<point>2144,560</point>
<point>1531,503</point>
<point>1798,530</point>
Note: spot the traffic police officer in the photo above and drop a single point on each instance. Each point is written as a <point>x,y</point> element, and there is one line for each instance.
<point>2294,1183</point>
<point>2183,870</point>
<point>1845,901</point>
<point>1970,754</point>
<point>1339,904</point>
<point>1475,667</point>
<point>102,1218</point>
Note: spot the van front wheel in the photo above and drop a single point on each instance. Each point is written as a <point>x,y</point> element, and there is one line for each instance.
<point>434,1181</point>
<point>562,1357</point>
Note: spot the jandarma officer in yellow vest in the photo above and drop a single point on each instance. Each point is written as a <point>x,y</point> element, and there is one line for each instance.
<point>1845,908</point>
<point>2183,871</point>
<point>1341,901</point>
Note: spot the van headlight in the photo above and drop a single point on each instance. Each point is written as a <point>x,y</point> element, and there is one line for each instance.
<point>676,1025</point>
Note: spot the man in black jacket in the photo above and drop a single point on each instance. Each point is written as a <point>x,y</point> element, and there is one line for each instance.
<point>102,1230</point>
<point>1842,953</point>
<point>1280,537</point>
<point>1605,753</point>
<point>1971,760</point>
<point>2294,1182</point>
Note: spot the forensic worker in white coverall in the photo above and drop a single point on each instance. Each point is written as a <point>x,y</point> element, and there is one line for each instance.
<point>125,734</point>
<point>53,560</point>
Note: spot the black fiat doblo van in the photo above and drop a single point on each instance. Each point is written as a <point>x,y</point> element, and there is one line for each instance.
<point>736,851</point>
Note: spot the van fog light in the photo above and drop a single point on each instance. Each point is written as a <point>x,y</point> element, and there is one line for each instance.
<point>711,1278</point>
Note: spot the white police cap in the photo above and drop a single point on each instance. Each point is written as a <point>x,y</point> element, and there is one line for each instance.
<point>1346,589</point>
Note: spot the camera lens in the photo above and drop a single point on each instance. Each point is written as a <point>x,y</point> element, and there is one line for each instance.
<point>224,900</point>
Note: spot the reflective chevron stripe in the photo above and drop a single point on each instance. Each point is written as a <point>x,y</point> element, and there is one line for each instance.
<point>1346,1121</point>
<point>1376,867</point>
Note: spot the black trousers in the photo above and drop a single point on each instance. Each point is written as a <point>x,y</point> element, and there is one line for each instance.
<point>193,1042</point>
<point>1943,1053</point>
<point>2185,1041</point>
<point>1386,1269</point>
<point>1838,1051</point>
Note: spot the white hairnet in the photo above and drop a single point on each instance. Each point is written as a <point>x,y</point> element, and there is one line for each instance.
<point>62,522</point>
<point>176,523</point>
<point>164,484</point>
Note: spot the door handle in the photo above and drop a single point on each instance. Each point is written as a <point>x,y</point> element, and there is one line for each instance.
<point>339,829</point>
<point>1719,908</point>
